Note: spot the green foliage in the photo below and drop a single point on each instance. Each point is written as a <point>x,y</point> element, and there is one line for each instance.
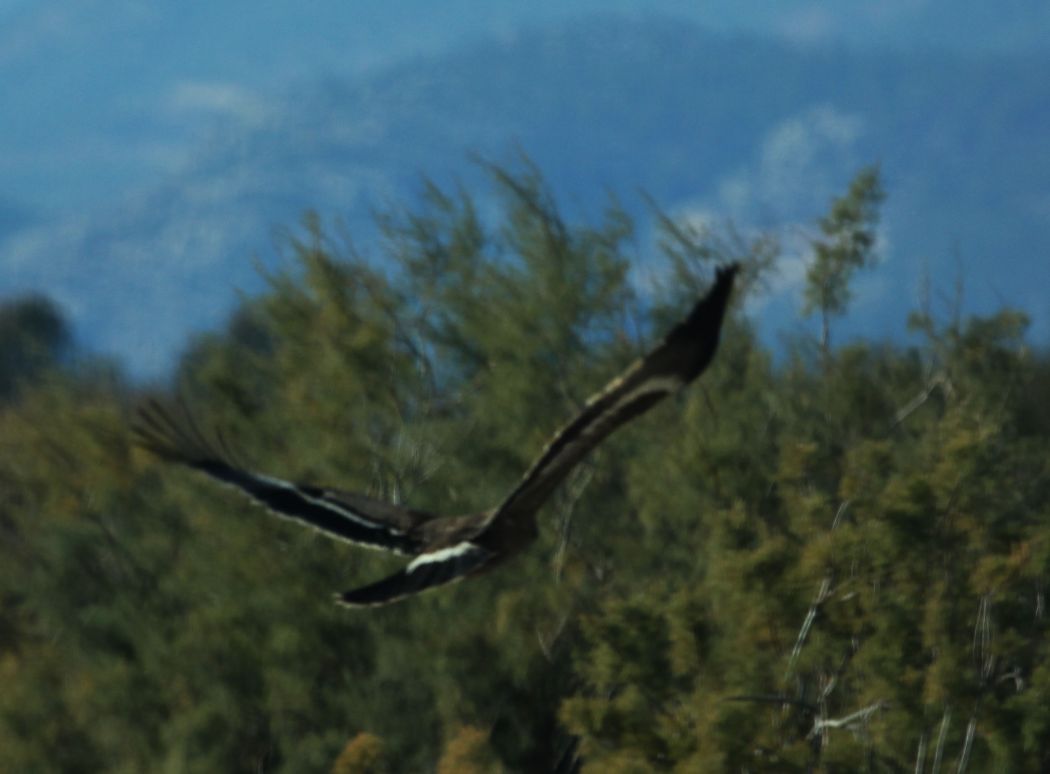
<point>33,338</point>
<point>846,243</point>
<point>468,752</point>
<point>835,564</point>
<point>362,755</point>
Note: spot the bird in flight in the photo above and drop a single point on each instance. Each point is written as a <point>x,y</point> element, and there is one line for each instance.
<point>448,548</point>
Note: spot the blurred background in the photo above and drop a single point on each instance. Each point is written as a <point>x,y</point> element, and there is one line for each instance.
<point>151,154</point>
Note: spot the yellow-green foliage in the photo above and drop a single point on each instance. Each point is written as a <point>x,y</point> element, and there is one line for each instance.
<point>362,755</point>
<point>468,752</point>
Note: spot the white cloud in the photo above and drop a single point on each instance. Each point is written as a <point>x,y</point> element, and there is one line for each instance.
<point>30,33</point>
<point>799,163</point>
<point>216,97</point>
<point>809,24</point>
<point>822,23</point>
<point>698,217</point>
<point>799,154</point>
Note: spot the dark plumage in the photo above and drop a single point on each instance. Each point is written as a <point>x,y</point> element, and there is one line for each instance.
<point>449,548</point>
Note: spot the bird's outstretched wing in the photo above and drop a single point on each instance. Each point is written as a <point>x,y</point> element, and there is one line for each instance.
<point>343,515</point>
<point>434,568</point>
<point>682,356</point>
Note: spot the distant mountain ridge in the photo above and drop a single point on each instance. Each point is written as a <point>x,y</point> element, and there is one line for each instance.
<point>710,125</point>
<point>100,95</point>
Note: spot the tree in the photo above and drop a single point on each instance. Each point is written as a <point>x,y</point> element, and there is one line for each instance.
<point>846,244</point>
<point>835,564</point>
<point>33,338</point>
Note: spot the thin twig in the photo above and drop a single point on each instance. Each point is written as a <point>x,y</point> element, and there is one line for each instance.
<point>909,408</point>
<point>941,739</point>
<point>807,624</point>
<point>853,719</point>
<point>964,759</point>
<point>982,639</point>
<point>920,754</point>
<point>578,482</point>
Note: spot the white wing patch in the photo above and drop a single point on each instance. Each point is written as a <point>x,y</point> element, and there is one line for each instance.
<point>444,555</point>
<point>427,571</point>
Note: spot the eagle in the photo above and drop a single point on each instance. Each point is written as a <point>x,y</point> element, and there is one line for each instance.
<point>444,549</point>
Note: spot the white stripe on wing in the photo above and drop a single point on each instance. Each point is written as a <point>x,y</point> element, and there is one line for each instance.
<point>444,555</point>
<point>321,502</point>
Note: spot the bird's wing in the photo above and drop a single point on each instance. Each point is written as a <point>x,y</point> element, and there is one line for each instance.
<point>682,356</point>
<point>434,568</point>
<point>351,517</point>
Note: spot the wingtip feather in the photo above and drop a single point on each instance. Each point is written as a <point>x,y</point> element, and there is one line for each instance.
<point>179,439</point>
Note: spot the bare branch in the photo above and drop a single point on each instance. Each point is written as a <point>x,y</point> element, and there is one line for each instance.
<point>964,759</point>
<point>577,484</point>
<point>861,716</point>
<point>920,754</point>
<point>807,624</point>
<point>942,737</point>
<point>982,639</point>
<point>940,379</point>
<point>1015,675</point>
<point>841,512</point>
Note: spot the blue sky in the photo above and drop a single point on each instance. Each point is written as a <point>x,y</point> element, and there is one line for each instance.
<point>113,107</point>
<point>103,94</point>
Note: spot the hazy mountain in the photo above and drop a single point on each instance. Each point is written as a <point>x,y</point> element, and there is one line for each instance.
<point>710,125</point>
<point>99,95</point>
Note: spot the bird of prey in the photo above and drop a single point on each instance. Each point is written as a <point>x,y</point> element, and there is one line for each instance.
<point>445,549</point>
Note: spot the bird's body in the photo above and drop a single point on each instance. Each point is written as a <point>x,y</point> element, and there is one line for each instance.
<point>449,548</point>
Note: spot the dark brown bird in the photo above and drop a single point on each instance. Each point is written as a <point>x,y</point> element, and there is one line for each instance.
<point>449,548</point>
